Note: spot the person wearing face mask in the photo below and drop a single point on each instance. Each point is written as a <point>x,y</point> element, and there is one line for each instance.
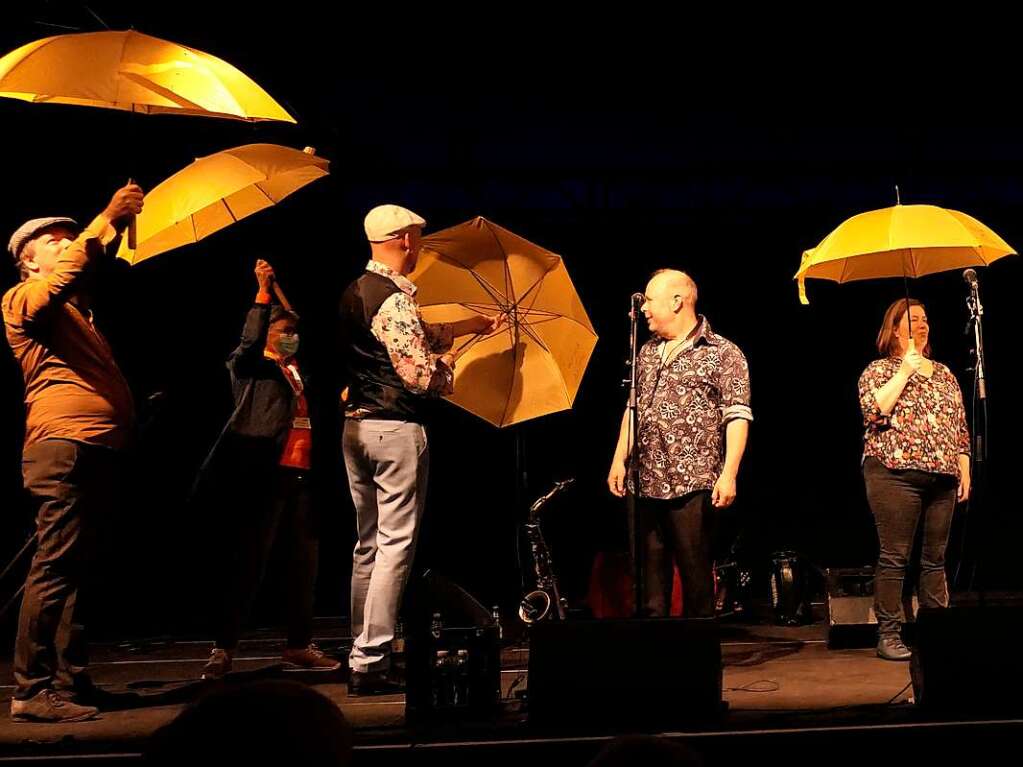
<point>693,418</point>
<point>916,464</point>
<point>79,418</point>
<point>260,482</point>
<point>394,362</point>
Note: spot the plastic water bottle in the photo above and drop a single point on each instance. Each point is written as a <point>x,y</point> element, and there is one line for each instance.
<point>495,615</point>
<point>441,681</point>
<point>461,678</point>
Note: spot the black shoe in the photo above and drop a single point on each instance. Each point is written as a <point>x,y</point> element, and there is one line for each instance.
<point>83,691</point>
<point>373,683</point>
<point>890,647</point>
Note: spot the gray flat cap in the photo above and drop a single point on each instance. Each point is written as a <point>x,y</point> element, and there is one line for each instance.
<point>30,229</point>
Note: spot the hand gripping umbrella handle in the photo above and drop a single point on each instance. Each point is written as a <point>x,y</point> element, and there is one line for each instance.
<point>468,344</point>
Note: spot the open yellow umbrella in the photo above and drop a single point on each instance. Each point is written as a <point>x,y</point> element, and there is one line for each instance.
<point>134,72</point>
<point>532,366</point>
<point>217,190</point>
<point>902,241</point>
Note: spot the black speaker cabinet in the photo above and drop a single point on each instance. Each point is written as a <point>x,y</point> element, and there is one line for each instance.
<point>967,658</point>
<point>652,673</point>
<point>851,619</point>
<point>453,665</point>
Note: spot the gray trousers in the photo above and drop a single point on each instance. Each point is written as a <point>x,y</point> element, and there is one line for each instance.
<point>387,464</point>
<point>903,502</point>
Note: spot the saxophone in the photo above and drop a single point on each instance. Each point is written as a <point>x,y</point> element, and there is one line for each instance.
<point>545,601</point>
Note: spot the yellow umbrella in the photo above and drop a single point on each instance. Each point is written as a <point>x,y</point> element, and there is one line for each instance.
<point>902,241</point>
<point>215,191</point>
<point>135,72</point>
<point>533,365</point>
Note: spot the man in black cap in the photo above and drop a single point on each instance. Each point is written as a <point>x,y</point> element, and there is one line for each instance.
<point>79,415</point>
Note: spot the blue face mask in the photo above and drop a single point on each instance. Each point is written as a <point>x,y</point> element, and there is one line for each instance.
<point>287,344</point>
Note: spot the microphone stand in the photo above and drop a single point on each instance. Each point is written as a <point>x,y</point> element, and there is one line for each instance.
<point>980,429</point>
<point>632,468</point>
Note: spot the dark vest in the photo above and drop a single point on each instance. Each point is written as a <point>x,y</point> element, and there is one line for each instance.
<point>373,384</point>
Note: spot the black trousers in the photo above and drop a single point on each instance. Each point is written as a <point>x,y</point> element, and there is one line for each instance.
<point>677,531</point>
<point>73,487</point>
<point>902,503</point>
<point>256,523</point>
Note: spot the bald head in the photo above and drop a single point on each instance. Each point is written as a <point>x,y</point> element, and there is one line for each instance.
<point>677,283</point>
<point>670,304</point>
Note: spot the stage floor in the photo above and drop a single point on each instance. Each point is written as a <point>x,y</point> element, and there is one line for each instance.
<point>775,679</point>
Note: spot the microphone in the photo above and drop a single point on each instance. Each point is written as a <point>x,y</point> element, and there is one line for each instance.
<point>970,275</point>
<point>638,298</point>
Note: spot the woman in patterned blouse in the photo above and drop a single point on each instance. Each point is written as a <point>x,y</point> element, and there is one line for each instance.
<point>916,464</point>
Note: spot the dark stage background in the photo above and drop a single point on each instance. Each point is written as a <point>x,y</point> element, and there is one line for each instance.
<point>622,164</point>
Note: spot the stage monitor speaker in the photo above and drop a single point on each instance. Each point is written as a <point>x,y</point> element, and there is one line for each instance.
<point>431,593</point>
<point>453,665</point>
<point>654,673</point>
<point>967,657</point>
<point>851,619</point>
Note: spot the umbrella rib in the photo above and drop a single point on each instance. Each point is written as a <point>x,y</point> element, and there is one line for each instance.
<point>529,332</point>
<point>474,305</point>
<point>541,312</point>
<point>474,341</point>
<point>120,60</point>
<point>544,321</point>
<point>266,194</point>
<point>230,212</point>
<point>572,319</point>
<point>504,259</point>
<point>48,43</point>
<point>491,291</point>
<point>979,247</point>
<point>845,269</point>
<point>538,282</point>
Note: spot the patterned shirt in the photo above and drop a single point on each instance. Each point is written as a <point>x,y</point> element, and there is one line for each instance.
<point>926,429</point>
<point>685,398</point>
<point>414,346</point>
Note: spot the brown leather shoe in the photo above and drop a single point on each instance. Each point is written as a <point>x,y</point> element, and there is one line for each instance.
<point>219,664</point>
<point>311,657</point>
<point>48,706</point>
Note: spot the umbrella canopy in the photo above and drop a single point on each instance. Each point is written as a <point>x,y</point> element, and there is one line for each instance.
<point>216,191</point>
<point>531,367</point>
<point>901,241</point>
<point>135,72</point>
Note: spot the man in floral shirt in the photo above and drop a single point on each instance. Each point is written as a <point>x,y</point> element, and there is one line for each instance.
<point>693,420</point>
<point>394,361</point>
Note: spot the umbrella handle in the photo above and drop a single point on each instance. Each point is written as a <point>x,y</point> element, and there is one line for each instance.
<point>132,229</point>
<point>281,297</point>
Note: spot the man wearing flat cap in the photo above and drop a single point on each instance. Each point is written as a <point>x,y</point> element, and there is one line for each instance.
<point>394,361</point>
<point>79,415</point>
